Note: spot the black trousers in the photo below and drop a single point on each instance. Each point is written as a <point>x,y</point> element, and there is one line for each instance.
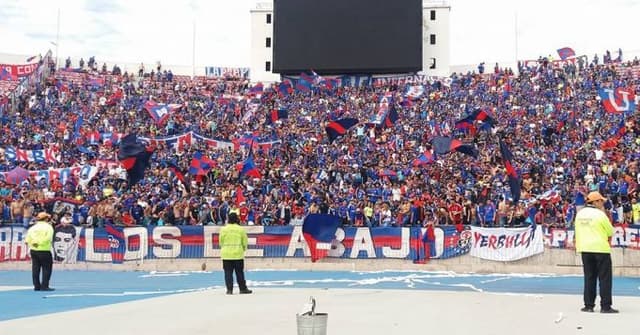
<point>597,267</point>
<point>41,260</point>
<point>229,267</point>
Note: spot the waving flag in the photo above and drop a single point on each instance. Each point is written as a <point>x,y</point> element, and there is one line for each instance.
<point>414,92</point>
<point>618,100</point>
<point>304,83</point>
<point>6,75</point>
<point>31,58</point>
<point>277,114</point>
<point>482,115</point>
<point>134,157</point>
<point>320,228</point>
<point>180,175</point>
<point>284,88</point>
<point>200,164</point>
<point>466,125</point>
<point>425,158</point>
<point>160,112</point>
<point>443,145</point>
<point>248,167</point>
<point>257,89</point>
<point>512,174</point>
<point>338,128</point>
<point>392,117</point>
<point>565,53</point>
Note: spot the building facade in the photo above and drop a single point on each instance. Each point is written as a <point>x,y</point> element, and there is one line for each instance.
<point>435,41</point>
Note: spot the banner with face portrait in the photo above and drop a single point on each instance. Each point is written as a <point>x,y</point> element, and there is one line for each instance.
<point>65,244</point>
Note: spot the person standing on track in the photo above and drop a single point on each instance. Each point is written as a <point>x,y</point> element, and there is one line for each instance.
<point>39,238</point>
<point>593,230</point>
<point>233,244</point>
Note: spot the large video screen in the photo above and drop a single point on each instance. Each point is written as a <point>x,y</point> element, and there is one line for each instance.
<point>347,36</point>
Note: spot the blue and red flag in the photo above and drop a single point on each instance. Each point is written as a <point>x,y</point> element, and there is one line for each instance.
<point>619,100</point>
<point>466,125</point>
<point>249,167</point>
<point>117,243</point>
<point>320,228</point>
<point>338,128</point>
<point>200,164</point>
<point>277,114</point>
<point>160,112</point>
<point>304,83</point>
<point>443,145</point>
<point>512,173</point>
<point>256,89</point>
<point>180,175</point>
<point>284,88</point>
<point>621,130</point>
<point>134,157</point>
<point>392,117</point>
<point>425,158</point>
<point>566,52</point>
<point>6,75</point>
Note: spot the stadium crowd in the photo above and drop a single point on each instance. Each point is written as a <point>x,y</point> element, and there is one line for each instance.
<point>563,141</point>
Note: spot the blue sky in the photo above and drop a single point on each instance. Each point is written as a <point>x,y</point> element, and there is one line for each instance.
<point>133,31</point>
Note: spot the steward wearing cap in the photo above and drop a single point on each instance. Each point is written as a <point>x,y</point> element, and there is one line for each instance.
<point>593,230</point>
<point>39,238</point>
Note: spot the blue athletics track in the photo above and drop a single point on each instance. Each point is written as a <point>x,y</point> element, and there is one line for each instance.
<point>84,290</point>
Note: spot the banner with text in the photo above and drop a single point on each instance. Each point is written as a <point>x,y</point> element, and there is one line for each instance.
<point>118,244</point>
<point>506,244</point>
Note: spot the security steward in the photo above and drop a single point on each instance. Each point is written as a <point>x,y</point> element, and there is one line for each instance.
<point>39,238</point>
<point>233,244</point>
<point>593,230</point>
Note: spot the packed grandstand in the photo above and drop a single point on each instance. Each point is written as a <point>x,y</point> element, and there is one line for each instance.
<point>274,152</point>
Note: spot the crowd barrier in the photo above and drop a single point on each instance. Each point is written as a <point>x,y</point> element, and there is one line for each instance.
<point>117,244</point>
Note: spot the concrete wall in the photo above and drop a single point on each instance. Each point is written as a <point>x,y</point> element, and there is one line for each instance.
<point>626,262</point>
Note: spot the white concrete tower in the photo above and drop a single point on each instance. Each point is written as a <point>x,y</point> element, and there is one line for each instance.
<point>435,38</point>
<point>262,43</point>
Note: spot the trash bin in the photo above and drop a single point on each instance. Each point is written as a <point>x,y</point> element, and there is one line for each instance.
<point>312,324</point>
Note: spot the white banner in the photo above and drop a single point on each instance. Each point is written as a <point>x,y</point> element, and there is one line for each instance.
<point>506,244</point>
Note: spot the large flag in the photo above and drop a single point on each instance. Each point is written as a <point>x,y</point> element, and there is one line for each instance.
<point>619,100</point>
<point>304,83</point>
<point>392,117</point>
<point>320,228</point>
<point>566,52</point>
<point>134,157</point>
<point>512,174</point>
<point>200,164</point>
<point>443,145</point>
<point>277,114</point>
<point>248,167</point>
<point>338,128</point>
<point>180,175</point>
<point>284,88</point>
<point>160,112</point>
<point>479,115</point>
<point>424,159</point>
